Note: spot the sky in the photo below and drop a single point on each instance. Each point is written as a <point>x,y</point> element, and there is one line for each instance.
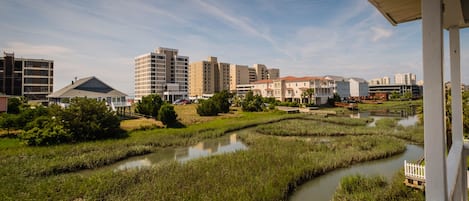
<point>101,38</point>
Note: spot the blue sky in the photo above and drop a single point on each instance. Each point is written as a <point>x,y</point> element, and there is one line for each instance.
<point>310,37</point>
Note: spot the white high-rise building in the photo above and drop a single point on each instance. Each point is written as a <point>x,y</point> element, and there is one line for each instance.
<point>380,81</point>
<point>405,79</point>
<point>162,72</point>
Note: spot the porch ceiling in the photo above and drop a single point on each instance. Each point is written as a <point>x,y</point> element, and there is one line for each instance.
<point>456,12</point>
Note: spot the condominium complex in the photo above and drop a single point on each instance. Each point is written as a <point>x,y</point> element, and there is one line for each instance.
<point>31,78</point>
<point>211,76</point>
<point>239,75</point>
<point>400,78</point>
<point>293,88</point>
<point>405,79</point>
<point>208,77</point>
<point>162,72</point>
<point>380,81</point>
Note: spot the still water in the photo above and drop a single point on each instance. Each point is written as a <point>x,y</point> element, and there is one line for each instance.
<point>323,187</point>
<point>225,144</point>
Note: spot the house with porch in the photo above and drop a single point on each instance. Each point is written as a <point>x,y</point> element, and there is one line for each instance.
<point>90,87</point>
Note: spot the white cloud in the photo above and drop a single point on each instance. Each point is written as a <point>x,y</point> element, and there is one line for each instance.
<point>36,50</point>
<point>380,33</point>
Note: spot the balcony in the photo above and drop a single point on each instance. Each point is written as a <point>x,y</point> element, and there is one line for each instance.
<point>445,171</point>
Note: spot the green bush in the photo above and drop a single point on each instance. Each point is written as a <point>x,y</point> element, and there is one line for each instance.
<point>167,115</point>
<point>89,119</point>
<point>222,101</point>
<point>252,103</point>
<point>149,105</point>
<point>49,132</point>
<point>207,108</point>
<point>84,119</point>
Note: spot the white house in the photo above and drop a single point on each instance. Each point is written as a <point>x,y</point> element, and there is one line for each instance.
<point>358,87</point>
<point>90,87</point>
<point>341,85</point>
<point>292,89</point>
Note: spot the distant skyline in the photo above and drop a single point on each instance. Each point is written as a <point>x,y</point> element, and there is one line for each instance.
<point>347,38</point>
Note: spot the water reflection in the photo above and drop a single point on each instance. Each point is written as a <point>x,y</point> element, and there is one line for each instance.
<point>221,145</point>
<point>407,117</point>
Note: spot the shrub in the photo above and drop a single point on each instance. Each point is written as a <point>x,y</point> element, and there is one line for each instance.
<point>207,108</point>
<point>222,101</point>
<point>252,103</point>
<point>167,115</point>
<point>89,119</point>
<point>49,132</point>
<point>149,105</point>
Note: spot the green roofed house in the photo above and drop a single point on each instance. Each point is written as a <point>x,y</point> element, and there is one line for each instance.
<point>90,87</point>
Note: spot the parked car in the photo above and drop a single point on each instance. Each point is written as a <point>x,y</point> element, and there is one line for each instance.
<point>181,102</point>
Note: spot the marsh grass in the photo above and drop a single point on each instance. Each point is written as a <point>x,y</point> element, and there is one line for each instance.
<point>269,170</point>
<point>375,188</point>
<point>140,124</point>
<point>341,126</point>
<point>390,105</point>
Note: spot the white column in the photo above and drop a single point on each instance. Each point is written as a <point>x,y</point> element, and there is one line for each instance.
<point>456,97</point>
<point>456,102</point>
<point>433,101</point>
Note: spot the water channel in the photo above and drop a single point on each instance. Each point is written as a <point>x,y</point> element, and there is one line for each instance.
<point>323,187</point>
<point>320,188</point>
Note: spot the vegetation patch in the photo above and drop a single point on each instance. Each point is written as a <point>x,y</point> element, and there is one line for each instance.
<point>375,188</point>
<point>269,170</point>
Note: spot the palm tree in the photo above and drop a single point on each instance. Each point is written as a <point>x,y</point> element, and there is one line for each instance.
<point>308,93</point>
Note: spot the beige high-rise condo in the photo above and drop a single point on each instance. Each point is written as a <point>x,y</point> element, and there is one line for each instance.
<point>162,72</point>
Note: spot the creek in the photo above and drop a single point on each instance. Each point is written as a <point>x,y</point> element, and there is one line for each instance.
<point>323,187</point>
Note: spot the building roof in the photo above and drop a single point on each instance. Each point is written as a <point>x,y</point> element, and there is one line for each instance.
<point>300,79</point>
<point>400,11</point>
<point>335,78</point>
<point>357,79</point>
<point>262,82</point>
<point>90,87</point>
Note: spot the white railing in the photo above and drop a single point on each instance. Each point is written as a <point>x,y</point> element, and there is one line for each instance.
<point>414,170</point>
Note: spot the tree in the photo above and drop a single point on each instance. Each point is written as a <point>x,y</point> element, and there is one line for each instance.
<point>89,119</point>
<point>207,108</point>
<point>167,115</point>
<point>395,95</point>
<point>149,105</point>
<point>308,93</point>
<point>222,101</point>
<point>46,131</point>
<point>407,96</point>
<point>335,98</point>
<point>14,105</point>
<point>252,103</point>
<point>8,121</point>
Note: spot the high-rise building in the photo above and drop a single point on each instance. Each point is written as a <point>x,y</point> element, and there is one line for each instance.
<point>380,81</point>
<point>252,75</point>
<point>31,78</point>
<point>273,73</point>
<point>405,78</point>
<point>162,72</point>
<point>239,74</point>
<point>208,77</point>
<point>263,73</point>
